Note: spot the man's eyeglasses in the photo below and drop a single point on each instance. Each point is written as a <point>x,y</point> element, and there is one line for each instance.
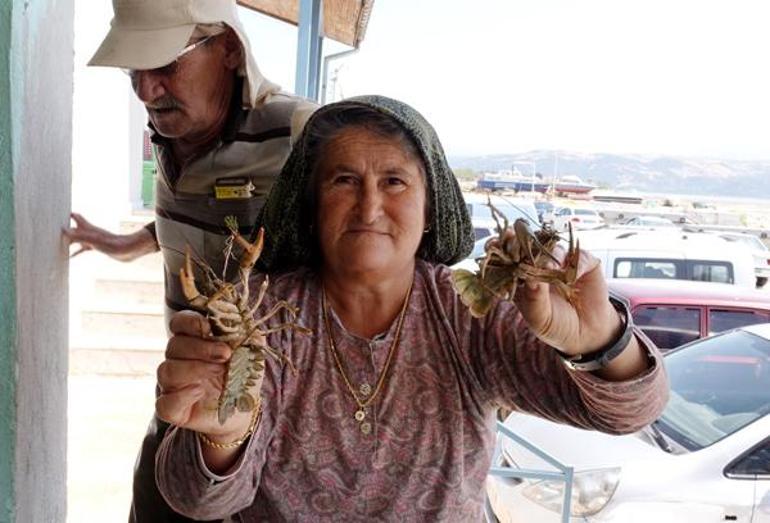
<point>171,68</point>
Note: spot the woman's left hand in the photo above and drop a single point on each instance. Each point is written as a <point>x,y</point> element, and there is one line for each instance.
<point>581,327</point>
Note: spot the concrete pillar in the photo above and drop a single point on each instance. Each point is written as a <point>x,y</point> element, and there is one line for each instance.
<point>35,167</point>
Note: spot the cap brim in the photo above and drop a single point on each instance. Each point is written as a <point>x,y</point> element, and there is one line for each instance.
<point>132,49</point>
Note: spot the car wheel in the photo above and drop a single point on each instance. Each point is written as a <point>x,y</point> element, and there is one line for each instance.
<point>761,281</point>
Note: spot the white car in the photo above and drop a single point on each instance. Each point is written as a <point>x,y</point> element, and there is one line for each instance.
<point>512,207</point>
<point>647,222</point>
<point>705,460</point>
<point>759,252</point>
<point>580,218</point>
<point>470,263</point>
<point>668,253</point>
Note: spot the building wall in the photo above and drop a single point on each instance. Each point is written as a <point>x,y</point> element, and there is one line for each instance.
<point>35,166</point>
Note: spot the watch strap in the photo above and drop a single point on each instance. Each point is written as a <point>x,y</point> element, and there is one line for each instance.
<point>601,358</point>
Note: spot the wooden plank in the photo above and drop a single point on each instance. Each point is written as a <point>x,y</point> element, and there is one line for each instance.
<point>283,10</point>
<point>344,20</point>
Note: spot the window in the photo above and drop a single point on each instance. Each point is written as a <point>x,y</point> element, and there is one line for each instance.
<point>481,232</point>
<point>668,327</point>
<point>722,320</point>
<point>719,272</point>
<point>585,212</point>
<point>755,463</point>
<point>649,268</point>
<point>512,210</point>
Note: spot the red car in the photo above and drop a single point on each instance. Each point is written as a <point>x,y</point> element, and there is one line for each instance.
<point>675,312</point>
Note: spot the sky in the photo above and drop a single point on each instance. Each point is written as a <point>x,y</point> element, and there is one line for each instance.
<point>654,77</point>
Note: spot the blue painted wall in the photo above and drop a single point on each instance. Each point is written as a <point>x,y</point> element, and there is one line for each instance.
<point>7,276</point>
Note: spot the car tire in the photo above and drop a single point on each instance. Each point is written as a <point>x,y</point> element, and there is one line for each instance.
<point>761,281</point>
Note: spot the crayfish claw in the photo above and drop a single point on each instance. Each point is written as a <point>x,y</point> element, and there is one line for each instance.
<point>251,251</point>
<point>187,279</point>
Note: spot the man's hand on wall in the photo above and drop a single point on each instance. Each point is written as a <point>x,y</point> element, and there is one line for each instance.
<point>123,247</point>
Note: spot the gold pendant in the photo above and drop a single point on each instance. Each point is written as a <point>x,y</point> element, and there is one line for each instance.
<point>365,389</point>
<point>366,427</point>
<point>360,415</point>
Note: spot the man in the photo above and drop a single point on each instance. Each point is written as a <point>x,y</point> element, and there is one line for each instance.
<point>221,134</point>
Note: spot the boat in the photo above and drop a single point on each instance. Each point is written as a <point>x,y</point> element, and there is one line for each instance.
<point>572,184</point>
<point>518,182</point>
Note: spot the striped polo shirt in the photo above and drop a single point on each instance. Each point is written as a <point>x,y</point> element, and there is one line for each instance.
<point>253,147</point>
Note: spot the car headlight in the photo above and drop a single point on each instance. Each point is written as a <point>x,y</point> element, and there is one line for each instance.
<point>591,491</point>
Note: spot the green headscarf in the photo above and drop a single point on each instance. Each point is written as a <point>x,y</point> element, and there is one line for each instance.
<point>290,243</point>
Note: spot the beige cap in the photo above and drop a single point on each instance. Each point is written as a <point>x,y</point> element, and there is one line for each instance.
<point>147,34</point>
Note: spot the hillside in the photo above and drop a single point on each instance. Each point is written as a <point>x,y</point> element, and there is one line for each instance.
<point>661,174</point>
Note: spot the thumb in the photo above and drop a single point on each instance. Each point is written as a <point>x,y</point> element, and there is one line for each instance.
<point>533,300</point>
<point>80,251</point>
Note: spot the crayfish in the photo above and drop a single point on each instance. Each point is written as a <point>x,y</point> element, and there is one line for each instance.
<point>516,254</point>
<point>233,321</point>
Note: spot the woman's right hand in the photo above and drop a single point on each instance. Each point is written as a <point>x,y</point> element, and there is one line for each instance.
<point>191,379</point>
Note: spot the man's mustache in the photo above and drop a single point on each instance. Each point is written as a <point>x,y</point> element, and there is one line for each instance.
<point>164,103</point>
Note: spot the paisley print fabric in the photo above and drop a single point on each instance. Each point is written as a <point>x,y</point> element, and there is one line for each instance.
<point>432,424</point>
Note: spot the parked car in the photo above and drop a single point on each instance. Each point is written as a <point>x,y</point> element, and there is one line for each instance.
<point>580,218</point>
<point>470,263</point>
<point>675,312</point>
<point>705,460</point>
<point>545,211</point>
<point>512,207</point>
<point>646,222</point>
<point>664,254</point>
<point>759,252</point>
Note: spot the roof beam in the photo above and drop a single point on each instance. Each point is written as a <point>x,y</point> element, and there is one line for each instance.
<point>344,21</point>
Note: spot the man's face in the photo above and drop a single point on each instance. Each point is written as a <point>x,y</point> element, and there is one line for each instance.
<point>187,99</point>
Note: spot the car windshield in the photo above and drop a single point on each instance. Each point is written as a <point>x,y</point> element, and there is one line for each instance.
<point>478,247</point>
<point>718,386</point>
<point>585,212</point>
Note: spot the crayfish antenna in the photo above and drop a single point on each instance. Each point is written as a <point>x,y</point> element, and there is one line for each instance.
<point>496,214</point>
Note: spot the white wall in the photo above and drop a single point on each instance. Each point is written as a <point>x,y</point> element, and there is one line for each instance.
<point>41,98</point>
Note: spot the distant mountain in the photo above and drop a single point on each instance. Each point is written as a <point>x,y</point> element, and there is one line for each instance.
<point>659,174</point>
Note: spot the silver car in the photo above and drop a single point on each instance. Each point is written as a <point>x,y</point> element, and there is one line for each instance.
<point>707,459</point>
<point>759,252</point>
<point>579,218</point>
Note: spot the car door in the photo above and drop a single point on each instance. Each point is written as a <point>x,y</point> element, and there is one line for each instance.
<point>723,319</point>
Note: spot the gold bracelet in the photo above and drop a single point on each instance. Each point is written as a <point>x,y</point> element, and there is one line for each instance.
<point>237,443</point>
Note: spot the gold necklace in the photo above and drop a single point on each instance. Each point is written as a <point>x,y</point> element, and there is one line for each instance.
<point>360,414</point>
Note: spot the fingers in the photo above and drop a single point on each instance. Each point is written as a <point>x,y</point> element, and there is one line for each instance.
<point>533,299</point>
<point>190,323</point>
<point>82,232</point>
<point>79,220</point>
<point>175,375</point>
<point>176,407</point>
<point>182,347</point>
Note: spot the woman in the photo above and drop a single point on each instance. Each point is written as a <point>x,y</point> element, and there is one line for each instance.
<point>390,413</point>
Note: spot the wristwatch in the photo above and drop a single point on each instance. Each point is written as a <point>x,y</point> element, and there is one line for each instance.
<point>601,358</point>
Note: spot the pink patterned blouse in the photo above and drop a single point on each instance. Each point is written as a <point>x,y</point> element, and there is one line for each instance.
<point>430,438</point>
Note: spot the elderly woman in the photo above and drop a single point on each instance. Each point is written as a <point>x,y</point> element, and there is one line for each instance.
<point>391,410</point>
